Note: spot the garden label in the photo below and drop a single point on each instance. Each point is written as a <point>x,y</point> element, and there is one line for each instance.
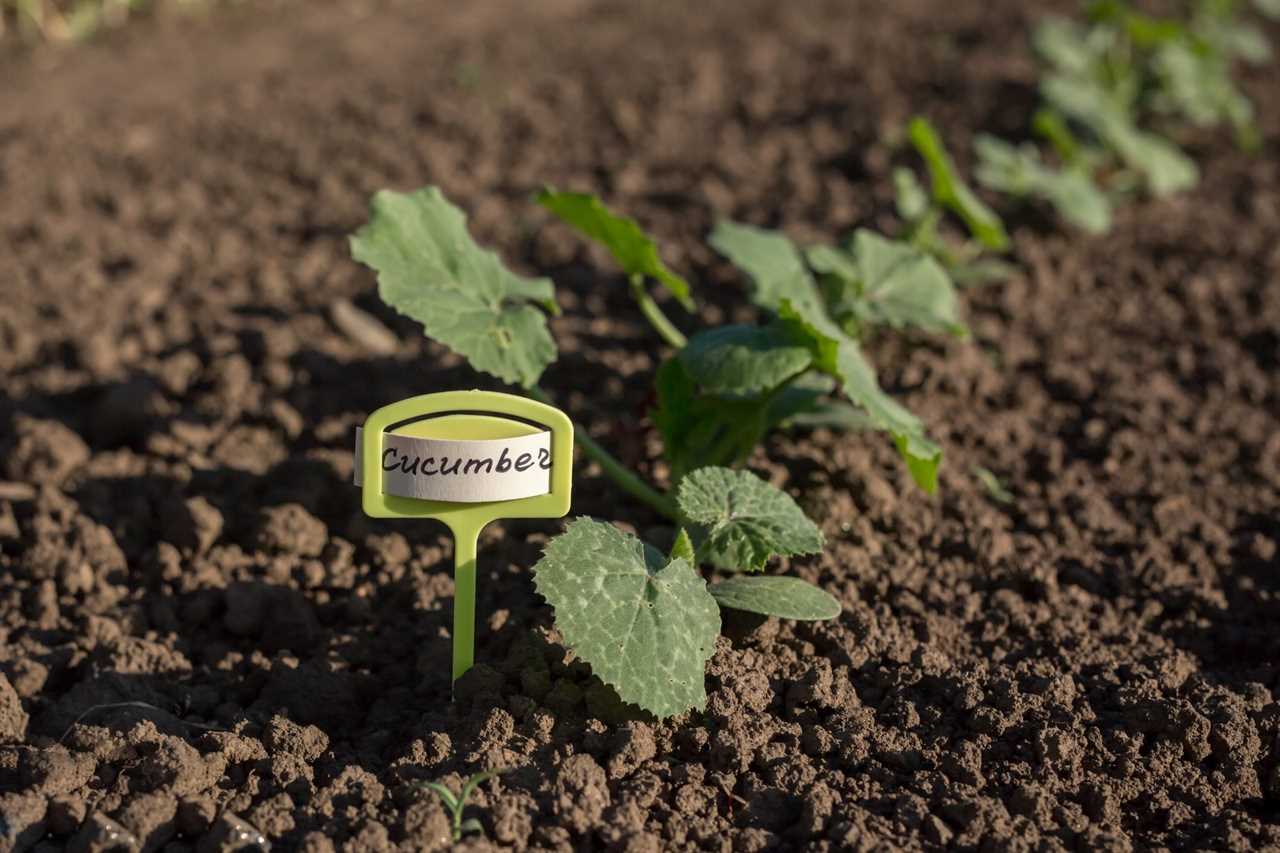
<point>465,458</point>
<point>498,469</point>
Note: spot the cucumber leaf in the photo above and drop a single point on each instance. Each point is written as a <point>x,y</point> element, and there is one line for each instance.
<point>1069,47</point>
<point>740,522</point>
<point>634,250</point>
<point>699,429</point>
<point>744,360</point>
<point>1197,85</point>
<point>1019,171</point>
<point>430,270</point>
<point>805,396</point>
<point>645,624</point>
<point>951,192</point>
<point>683,549</point>
<point>772,261</point>
<point>830,414</point>
<point>782,284</point>
<point>980,271</point>
<point>838,355</point>
<point>1165,168</point>
<point>909,197</point>
<point>895,284</point>
<point>784,597</point>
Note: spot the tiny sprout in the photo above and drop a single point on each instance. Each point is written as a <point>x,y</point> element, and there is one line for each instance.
<point>457,804</point>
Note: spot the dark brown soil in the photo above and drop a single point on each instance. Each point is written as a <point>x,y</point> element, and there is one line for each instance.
<point>203,642</point>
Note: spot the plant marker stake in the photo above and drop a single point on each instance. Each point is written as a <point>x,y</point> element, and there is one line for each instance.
<point>466,458</point>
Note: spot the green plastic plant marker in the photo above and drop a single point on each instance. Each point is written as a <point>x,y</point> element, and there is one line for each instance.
<point>466,458</point>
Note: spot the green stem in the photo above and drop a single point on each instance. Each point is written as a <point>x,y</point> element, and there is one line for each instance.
<point>660,322</point>
<point>623,476</point>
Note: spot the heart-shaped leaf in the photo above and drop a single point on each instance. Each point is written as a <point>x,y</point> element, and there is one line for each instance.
<point>784,597</point>
<point>740,522</point>
<point>896,284</point>
<point>646,624</point>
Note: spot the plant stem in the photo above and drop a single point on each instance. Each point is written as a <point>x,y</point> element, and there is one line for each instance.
<point>660,322</point>
<point>623,476</point>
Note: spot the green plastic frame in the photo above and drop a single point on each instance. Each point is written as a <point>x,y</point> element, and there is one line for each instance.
<point>483,405</point>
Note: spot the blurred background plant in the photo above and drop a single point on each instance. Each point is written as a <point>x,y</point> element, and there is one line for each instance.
<point>69,21</point>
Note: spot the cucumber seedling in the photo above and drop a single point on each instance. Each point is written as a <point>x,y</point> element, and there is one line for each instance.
<point>723,389</point>
<point>646,620</point>
<point>922,211</point>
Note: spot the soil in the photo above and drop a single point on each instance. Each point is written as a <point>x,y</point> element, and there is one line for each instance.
<point>204,645</point>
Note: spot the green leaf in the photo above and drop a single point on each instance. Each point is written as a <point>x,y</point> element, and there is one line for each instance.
<point>1270,8</point>
<point>783,284</point>
<point>771,260</point>
<point>840,356</point>
<point>645,624</point>
<point>470,826</point>
<point>634,250</point>
<point>807,394</point>
<point>982,271</point>
<point>1051,126</point>
<point>1197,85</point>
<point>430,270</point>
<point>784,597</point>
<point>897,284</point>
<point>1236,39</point>
<point>1019,171</point>
<point>909,197</point>
<point>741,522</point>
<point>474,781</point>
<point>682,548</point>
<point>744,360</point>
<point>446,796</point>
<point>1066,45</point>
<point>1165,168</point>
<point>992,484</point>
<point>953,193</point>
<point>830,414</point>
<point>833,260</point>
<point>699,429</point>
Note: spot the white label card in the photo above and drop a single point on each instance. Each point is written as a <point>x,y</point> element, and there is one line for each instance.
<point>500,469</point>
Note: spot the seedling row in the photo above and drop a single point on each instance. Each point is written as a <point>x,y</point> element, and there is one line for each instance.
<point>1119,89</point>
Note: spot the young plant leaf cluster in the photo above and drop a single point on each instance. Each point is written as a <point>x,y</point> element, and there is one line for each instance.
<point>724,388</point>
<point>1110,81</point>
<point>647,621</point>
